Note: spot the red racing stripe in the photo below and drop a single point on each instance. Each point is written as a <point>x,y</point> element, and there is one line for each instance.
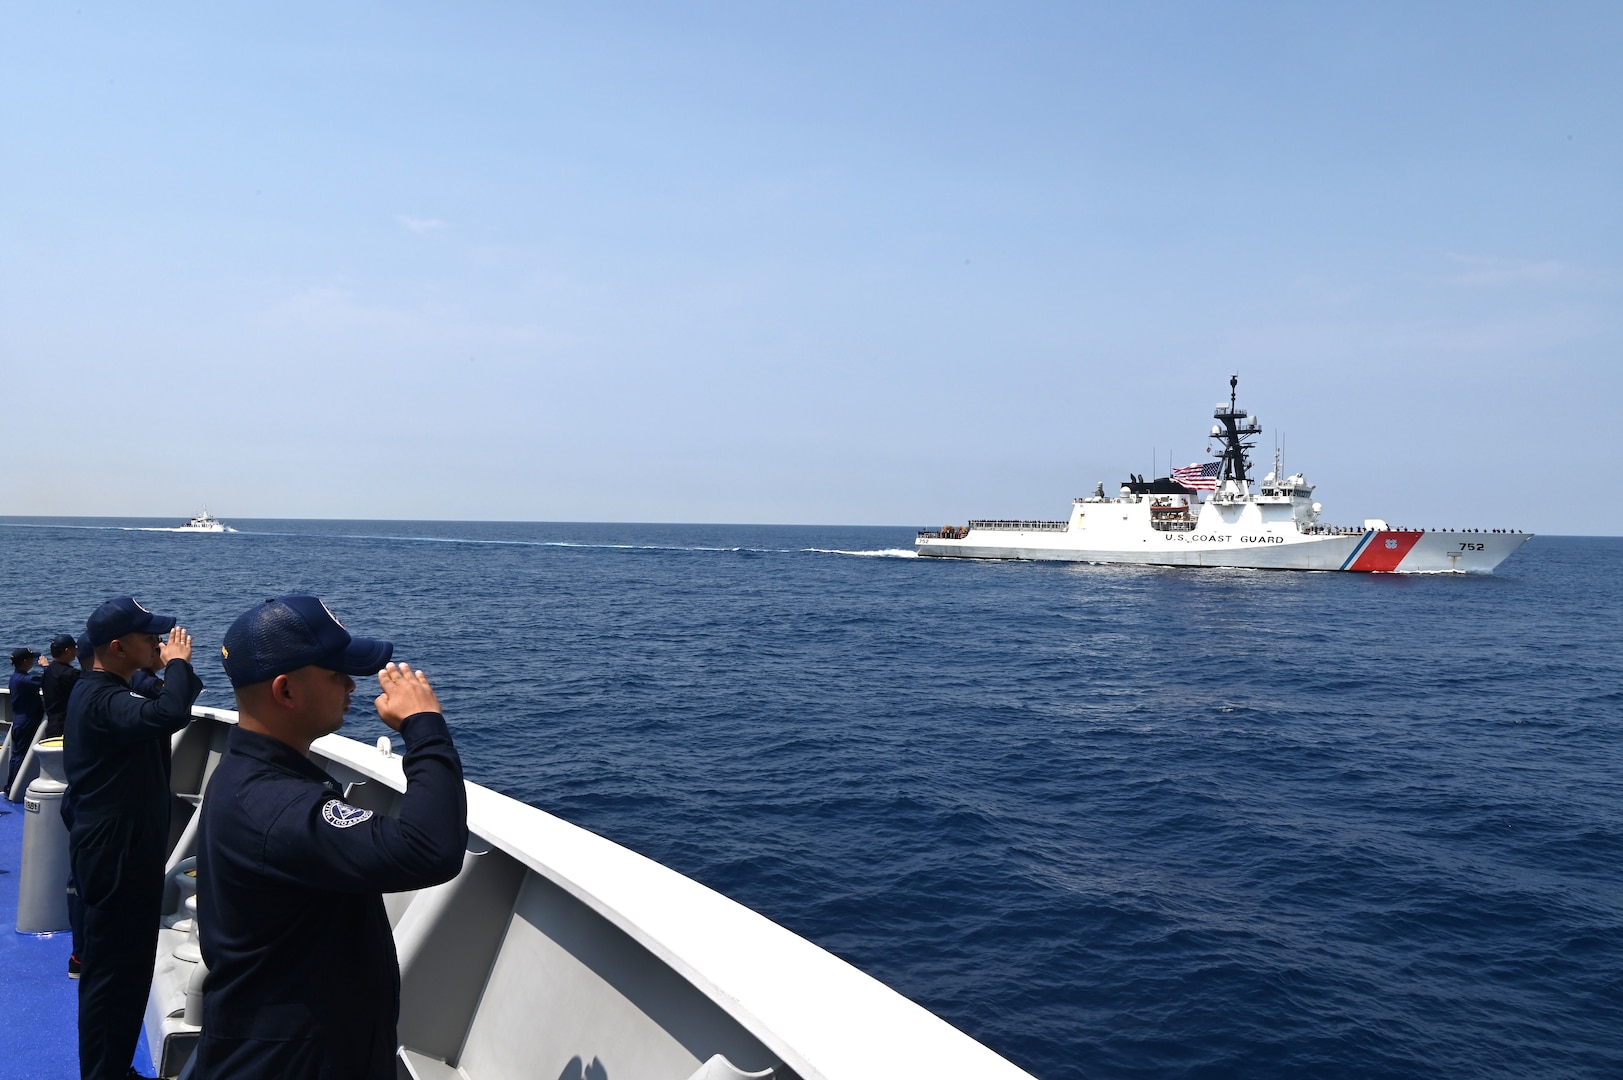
<point>1382,554</point>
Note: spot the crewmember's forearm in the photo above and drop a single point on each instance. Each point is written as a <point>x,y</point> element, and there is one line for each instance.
<point>433,815</point>
<point>180,688</point>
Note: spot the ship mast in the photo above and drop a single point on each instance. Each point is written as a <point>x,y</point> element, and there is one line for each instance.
<point>1237,437</point>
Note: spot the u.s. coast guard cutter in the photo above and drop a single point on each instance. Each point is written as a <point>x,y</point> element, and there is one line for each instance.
<point>1164,522</point>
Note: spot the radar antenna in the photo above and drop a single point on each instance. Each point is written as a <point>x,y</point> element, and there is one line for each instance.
<point>1237,437</point>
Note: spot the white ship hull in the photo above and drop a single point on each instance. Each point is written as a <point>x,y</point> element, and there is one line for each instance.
<point>555,952</point>
<point>1370,550</point>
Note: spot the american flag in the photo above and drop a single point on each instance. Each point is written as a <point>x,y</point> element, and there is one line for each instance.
<point>1199,477</point>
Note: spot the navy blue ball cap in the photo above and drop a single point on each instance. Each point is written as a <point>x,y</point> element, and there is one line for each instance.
<point>86,647</point>
<point>286,633</point>
<point>123,616</point>
<point>61,643</point>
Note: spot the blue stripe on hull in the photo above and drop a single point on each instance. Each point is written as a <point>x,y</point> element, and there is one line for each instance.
<point>1362,544</point>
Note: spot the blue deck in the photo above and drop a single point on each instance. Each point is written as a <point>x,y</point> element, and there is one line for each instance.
<point>38,1040</point>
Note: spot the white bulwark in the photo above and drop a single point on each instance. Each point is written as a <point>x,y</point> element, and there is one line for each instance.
<point>1164,522</point>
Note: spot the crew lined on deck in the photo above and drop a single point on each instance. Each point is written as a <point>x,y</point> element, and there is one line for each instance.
<point>291,876</point>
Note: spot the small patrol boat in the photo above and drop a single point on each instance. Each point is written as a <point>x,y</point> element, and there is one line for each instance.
<point>204,522</point>
<point>1165,522</point>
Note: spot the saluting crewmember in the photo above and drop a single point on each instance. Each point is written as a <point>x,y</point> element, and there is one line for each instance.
<point>116,754</point>
<point>302,974</point>
<point>26,710</point>
<point>57,683</point>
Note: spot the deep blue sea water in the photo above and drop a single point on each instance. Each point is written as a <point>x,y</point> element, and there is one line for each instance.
<point>1113,822</point>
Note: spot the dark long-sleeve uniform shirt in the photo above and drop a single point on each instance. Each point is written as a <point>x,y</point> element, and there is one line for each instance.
<point>25,703</point>
<point>146,684</point>
<point>303,978</point>
<point>55,686</point>
<point>115,748</point>
<point>26,714</point>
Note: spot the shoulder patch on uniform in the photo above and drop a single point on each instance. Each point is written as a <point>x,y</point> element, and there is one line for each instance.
<point>341,815</point>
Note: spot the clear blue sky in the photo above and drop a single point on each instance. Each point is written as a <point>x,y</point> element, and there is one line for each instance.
<point>864,263</point>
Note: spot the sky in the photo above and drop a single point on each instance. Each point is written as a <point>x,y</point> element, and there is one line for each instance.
<point>876,263</point>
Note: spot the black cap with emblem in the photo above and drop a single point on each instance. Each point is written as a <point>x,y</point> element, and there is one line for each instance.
<point>124,615</point>
<point>286,633</point>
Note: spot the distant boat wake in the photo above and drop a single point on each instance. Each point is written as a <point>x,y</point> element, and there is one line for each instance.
<point>878,553</point>
<point>109,528</point>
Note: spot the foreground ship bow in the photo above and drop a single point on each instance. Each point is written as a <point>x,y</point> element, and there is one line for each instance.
<point>1163,522</point>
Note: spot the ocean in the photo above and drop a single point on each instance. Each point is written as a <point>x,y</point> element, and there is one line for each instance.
<point>1113,822</point>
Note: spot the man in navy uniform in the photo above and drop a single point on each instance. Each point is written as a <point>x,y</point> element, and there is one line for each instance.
<point>26,709</point>
<point>76,910</point>
<point>302,974</point>
<point>57,683</point>
<point>117,807</point>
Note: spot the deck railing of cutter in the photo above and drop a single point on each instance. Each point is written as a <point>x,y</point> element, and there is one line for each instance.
<point>1023,526</point>
<point>557,952</point>
<point>954,532</point>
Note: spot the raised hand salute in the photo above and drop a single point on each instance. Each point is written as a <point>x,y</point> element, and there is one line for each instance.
<point>178,647</point>
<point>405,693</point>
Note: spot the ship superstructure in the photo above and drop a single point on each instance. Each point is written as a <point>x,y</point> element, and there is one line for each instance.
<point>1164,522</point>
